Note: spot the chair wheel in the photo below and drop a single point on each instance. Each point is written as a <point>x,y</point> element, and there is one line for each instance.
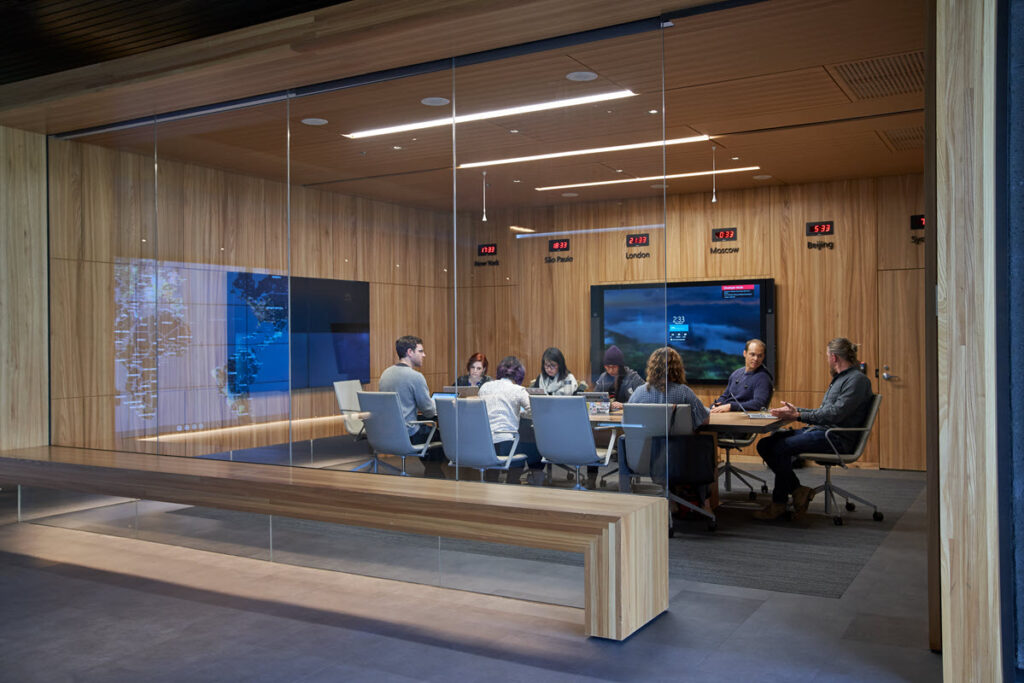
<point>838,521</point>
<point>752,496</point>
<point>764,488</point>
<point>850,506</point>
<point>712,524</point>
<point>569,476</point>
<point>877,516</point>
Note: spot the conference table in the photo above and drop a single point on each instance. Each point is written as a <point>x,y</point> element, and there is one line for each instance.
<point>720,423</point>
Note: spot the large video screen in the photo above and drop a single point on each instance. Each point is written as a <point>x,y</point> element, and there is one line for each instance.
<point>706,322</point>
<point>328,332</point>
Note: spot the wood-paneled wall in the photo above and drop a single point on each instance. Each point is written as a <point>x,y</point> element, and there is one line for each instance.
<point>524,304</point>
<point>23,324</point>
<point>206,222</point>
<point>965,170</point>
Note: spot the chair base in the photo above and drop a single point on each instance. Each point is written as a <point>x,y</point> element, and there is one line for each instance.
<point>731,470</point>
<point>831,491</point>
<point>374,465</point>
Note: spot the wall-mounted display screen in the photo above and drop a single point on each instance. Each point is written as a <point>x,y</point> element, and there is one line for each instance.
<point>706,322</point>
<point>328,330</point>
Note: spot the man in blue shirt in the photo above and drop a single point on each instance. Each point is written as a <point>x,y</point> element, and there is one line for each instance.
<point>846,404</point>
<point>749,387</point>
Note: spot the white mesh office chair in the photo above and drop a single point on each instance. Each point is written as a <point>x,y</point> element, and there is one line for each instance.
<point>565,435</point>
<point>346,391</point>
<point>387,431</point>
<point>830,460</point>
<point>468,440</point>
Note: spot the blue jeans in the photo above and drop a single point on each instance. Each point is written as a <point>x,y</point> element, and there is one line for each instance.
<point>778,451</point>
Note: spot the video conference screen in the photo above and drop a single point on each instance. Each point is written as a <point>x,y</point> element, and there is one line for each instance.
<point>708,323</point>
<point>329,332</point>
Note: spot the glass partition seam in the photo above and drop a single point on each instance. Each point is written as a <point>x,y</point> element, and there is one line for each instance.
<point>156,280</point>
<point>455,273</point>
<point>288,250</point>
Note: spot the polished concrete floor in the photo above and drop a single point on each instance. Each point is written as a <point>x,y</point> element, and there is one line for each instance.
<point>86,607</point>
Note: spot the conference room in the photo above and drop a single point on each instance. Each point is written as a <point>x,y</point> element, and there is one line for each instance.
<point>749,173</point>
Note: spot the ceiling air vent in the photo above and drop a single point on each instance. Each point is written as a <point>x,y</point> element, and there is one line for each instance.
<point>881,77</point>
<point>903,139</point>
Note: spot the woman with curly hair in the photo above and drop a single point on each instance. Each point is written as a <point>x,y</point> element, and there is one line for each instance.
<point>666,383</point>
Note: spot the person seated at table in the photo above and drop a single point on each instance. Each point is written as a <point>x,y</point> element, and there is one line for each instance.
<point>749,387</point>
<point>847,403</point>
<point>617,380</point>
<point>506,401</point>
<point>476,372</point>
<point>666,383</point>
<point>405,379</point>
<point>555,379</point>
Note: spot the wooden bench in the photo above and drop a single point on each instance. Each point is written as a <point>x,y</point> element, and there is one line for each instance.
<point>624,538</point>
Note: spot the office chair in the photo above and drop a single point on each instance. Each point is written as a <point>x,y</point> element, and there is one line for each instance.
<point>387,431</point>
<point>346,391</point>
<point>643,424</point>
<point>565,435</point>
<point>468,439</point>
<point>730,442</point>
<point>830,460</point>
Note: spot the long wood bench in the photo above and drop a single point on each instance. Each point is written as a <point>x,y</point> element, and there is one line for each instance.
<point>624,538</point>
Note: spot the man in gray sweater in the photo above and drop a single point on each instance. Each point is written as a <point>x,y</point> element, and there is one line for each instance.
<point>846,404</point>
<point>413,396</point>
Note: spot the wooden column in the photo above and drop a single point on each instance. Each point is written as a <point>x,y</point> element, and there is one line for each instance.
<point>965,237</point>
<point>24,370</point>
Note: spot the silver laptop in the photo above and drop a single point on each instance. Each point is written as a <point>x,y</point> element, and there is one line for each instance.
<point>592,396</point>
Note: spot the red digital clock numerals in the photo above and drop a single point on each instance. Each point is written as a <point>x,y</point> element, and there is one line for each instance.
<point>917,222</point>
<point>558,245</point>
<point>642,239</point>
<point>820,228</point>
<point>486,249</point>
<point>724,234</point>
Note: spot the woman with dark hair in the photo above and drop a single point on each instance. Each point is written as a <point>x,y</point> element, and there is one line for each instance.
<point>555,379</point>
<point>506,400</point>
<point>666,383</point>
<point>476,372</point>
<point>617,380</point>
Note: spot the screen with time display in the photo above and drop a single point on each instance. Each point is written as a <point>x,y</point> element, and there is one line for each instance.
<point>816,228</point>
<point>558,245</point>
<point>486,249</point>
<point>724,235</point>
<point>641,239</point>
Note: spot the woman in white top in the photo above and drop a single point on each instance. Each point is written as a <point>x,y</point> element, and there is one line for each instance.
<point>555,379</point>
<point>506,400</point>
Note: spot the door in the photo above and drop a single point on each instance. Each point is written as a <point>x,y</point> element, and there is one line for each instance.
<point>900,424</point>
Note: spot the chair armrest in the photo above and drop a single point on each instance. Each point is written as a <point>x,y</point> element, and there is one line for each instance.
<point>428,442</point>
<point>611,445</point>
<point>835,450</point>
<point>422,422</point>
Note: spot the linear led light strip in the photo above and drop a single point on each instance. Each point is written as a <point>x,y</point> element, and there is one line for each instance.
<point>649,178</point>
<point>652,226</point>
<point>591,150</point>
<point>493,114</point>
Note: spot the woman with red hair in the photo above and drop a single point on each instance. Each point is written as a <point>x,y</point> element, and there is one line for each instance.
<point>476,372</point>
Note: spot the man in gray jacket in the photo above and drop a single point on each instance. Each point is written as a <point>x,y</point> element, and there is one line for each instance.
<point>846,404</point>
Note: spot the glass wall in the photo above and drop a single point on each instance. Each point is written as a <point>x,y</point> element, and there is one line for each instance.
<point>231,267</point>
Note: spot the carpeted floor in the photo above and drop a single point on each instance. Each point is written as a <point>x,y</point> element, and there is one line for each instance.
<point>810,556</point>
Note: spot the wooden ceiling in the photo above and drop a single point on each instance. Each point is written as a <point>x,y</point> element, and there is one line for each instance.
<point>809,90</point>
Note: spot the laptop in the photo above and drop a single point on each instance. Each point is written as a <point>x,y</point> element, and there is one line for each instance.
<point>595,396</point>
<point>443,394</point>
<point>535,391</point>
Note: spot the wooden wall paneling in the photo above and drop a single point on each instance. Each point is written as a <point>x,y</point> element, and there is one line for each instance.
<point>85,422</point>
<point>899,198</point>
<point>66,212</point>
<point>823,293</point>
<point>684,238</point>
<point>24,377</point>
<point>99,197</point>
<point>613,261</point>
<point>346,238</point>
<point>203,195</point>
<point>275,217</point>
<point>134,232</point>
<point>244,226</point>
<point>312,251</point>
<point>744,210</point>
<point>81,328</point>
<point>900,425</point>
<point>396,310</point>
<point>170,212</point>
<point>966,178</point>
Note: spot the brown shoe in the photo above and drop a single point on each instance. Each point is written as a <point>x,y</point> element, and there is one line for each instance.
<point>802,496</point>
<point>771,511</point>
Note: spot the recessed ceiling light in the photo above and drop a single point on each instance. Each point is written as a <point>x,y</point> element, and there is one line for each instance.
<point>493,114</point>
<point>516,180</point>
<point>762,176</point>
<point>581,76</point>
<point>314,121</point>
<point>652,111</point>
<point>649,178</point>
<point>519,228</point>
<point>589,150</point>
<point>735,158</point>
<point>618,170</point>
<point>396,147</point>
<point>659,186</point>
<point>570,194</point>
<point>513,130</point>
<point>435,101</point>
